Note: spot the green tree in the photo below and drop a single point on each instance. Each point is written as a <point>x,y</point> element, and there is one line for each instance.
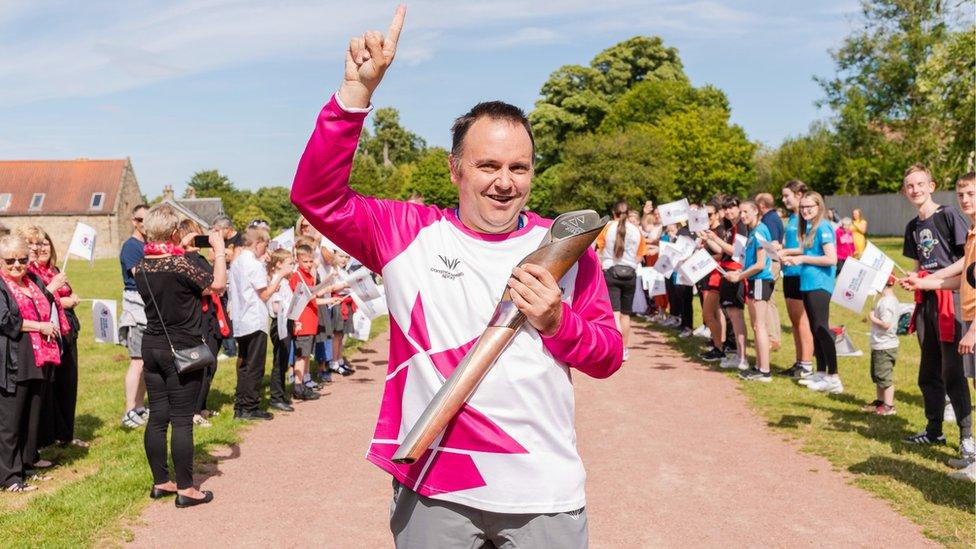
<point>708,153</point>
<point>430,176</point>
<point>900,78</point>
<point>812,158</point>
<point>544,187</point>
<point>648,101</point>
<point>599,169</point>
<point>390,143</point>
<point>246,214</point>
<point>576,98</point>
<point>275,202</point>
<point>371,179</point>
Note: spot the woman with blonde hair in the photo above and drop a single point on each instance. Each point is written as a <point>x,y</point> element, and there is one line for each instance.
<point>29,351</point>
<point>173,288</point>
<point>817,258</point>
<point>58,423</point>
<point>860,230</point>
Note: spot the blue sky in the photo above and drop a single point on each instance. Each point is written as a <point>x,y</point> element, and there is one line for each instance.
<point>233,85</point>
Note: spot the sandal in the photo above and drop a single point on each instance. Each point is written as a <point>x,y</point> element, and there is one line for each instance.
<point>42,464</point>
<point>37,477</point>
<point>20,487</point>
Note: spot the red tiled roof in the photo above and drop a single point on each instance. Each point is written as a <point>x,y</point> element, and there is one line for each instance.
<point>67,185</point>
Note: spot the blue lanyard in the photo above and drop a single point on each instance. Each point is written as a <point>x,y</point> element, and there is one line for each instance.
<point>521,220</point>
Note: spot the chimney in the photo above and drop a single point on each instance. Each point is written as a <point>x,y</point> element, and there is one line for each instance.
<point>191,192</point>
<point>167,192</point>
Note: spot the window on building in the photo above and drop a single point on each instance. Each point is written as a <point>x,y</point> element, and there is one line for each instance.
<point>4,201</point>
<point>37,201</point>
<point>97,200</point>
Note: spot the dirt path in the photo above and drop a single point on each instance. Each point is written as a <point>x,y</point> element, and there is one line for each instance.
<point>674,456</point>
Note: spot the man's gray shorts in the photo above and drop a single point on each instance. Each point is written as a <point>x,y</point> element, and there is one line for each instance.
<point>419,522</point>
<point>133,340</point>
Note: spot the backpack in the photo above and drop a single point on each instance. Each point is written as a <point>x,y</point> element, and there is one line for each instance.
<point>905,312</point>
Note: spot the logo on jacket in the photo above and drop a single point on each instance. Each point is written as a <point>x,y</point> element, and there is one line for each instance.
<point>451,264</point>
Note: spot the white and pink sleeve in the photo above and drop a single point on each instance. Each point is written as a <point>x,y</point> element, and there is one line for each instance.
<point>370,229</point>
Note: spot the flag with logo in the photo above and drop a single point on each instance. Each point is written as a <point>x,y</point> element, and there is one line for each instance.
<point>673,212</point>
<point>299,300</point>
<point>82,242</point>
<point>698,266</point>
<point>667,258</point>
<point>873,257</point>
<point>853,285</point>
<point>770,248</point>
<point>361,283</point>
<point>104,323</point>
<point>698,220</point>
<point>653,282</point>
<point>686,247</point>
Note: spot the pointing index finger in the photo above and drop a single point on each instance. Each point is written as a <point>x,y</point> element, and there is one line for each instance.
<point>393,35</point>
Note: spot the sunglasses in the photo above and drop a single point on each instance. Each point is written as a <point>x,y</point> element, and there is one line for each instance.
<point>137,219</point>
<point>13,260</point>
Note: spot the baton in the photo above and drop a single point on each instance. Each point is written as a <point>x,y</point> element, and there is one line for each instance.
<point>568,238</point>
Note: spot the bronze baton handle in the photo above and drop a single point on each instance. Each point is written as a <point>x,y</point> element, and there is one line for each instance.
<point>568,238</point>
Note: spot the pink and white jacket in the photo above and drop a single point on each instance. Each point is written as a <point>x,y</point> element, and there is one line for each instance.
<point>512,448</point>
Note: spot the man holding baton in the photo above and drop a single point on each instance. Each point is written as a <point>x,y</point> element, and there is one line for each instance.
<point>506,469</point>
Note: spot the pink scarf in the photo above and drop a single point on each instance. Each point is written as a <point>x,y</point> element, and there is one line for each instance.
<point>47,273</point>
<point>46,351</point>
<point>163,248</point>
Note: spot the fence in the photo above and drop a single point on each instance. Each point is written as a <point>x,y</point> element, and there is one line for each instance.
<point>887,214</point>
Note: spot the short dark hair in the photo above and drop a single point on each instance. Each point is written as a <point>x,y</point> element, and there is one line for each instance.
<point>138,207</point>
<point>496,110</point>
<point>730,202</point>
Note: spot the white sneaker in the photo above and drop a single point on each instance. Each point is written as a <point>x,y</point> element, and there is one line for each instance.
<point>812,378</point>
<point>626,353</point>
<point>702,331</point>
<point>743,364</point>
<point>730,361</point>
<point>967,473</point>
<point>949,415</point>
<point>967,449</point>
<point>686,333</point>
<point>829,384</point>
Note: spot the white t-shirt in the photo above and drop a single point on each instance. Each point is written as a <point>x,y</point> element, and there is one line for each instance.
<point>886,310</point>
<point>248,314</point>
<point>632,244</point>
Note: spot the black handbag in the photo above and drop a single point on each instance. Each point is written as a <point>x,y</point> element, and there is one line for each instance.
<point>623,272</point>
<point>186,360</point>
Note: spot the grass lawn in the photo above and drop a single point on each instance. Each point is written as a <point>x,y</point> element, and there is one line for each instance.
<point>96,491</point>
<point>911,478</point>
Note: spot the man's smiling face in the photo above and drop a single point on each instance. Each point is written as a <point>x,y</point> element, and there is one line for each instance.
<point>493,175</point>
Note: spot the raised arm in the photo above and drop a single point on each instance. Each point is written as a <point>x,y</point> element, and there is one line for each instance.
<point>370,229</point>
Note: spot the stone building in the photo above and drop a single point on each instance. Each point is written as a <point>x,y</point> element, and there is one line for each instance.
<point>56,194</point>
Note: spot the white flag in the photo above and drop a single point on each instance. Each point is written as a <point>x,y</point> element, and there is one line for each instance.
<point>873,257</point>
<point>686,247</point>
<point>667,259</point>
<point>361,283</point>
<point>698,220</point>
<point>673,212</point>
<point>83,242</point>
<point>104,321</point>
<point>285,240</point>
<point>739,248</point>
<point>372,308</point>
<point>698,266</point>
<point>361,326</point>
<point>853,285</point>
<point>770,249</point>
<point>654,283</point>
<point>299,300</point>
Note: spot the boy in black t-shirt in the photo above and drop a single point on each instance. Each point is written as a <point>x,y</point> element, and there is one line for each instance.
<point>935,241</point>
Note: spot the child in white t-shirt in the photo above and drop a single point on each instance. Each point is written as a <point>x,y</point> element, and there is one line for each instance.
<point>280,260</point>
<point>884,350</point>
